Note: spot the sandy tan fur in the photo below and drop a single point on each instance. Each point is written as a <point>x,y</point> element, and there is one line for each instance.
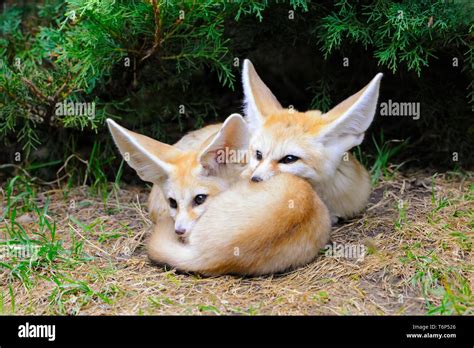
<point>321,140</point>
<point>249,229</point>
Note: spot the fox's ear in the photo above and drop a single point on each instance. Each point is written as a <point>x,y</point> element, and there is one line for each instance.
<point>147,156</point>
<point>258,99</point>
<point>348,121</point>
<point>233,136</point>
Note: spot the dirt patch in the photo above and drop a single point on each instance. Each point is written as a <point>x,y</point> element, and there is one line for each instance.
<point>416,237</point>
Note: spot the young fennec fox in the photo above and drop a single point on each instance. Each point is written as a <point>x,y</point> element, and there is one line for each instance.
<point>310,144</point>
<point>187,174</point>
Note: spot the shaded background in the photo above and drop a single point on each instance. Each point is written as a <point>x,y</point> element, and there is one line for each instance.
<point>185,56</point>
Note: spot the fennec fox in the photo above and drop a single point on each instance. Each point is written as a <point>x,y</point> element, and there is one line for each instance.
<point>240,227</point>
<point>310,144</point>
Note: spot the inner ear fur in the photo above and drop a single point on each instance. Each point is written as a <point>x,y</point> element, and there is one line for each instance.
<point>233,136</point>
<point>347,122</point>
<point>151,159</point>
<point>258,99</point>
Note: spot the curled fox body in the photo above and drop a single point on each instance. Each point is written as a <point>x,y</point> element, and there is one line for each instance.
<point>310,144</point>
<point>226,221</point>
<point>250,229</point>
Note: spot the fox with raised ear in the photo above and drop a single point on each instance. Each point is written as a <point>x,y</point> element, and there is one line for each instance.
<point>209,221</point>
<point>187,173</point>
<point>310,144</point>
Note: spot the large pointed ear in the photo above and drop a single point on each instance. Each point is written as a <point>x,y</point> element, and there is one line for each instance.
<point>348,121</point>
<point>227,146</point>
<point>147,156</point>
<point>259,101</point>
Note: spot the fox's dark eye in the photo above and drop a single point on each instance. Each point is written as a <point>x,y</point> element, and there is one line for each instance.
<point>173,203</point>
<point>289,159</point>
<point>258,155</point>
<point>200,199</point>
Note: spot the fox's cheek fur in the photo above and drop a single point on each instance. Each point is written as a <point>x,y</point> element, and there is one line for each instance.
<point>320,162</point>
<point>300,169</point>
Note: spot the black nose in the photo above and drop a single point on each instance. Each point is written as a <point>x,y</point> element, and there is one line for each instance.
<point>256,179</point>
<point>180,231</point>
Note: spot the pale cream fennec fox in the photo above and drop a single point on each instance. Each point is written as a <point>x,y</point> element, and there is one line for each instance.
<point>240,227</point>
<point>187,173</point>
<point>310,144</point>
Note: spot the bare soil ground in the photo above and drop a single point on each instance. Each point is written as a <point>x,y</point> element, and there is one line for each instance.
<point>416,236</point>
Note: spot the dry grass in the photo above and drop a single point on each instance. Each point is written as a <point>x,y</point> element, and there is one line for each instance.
<point>419,260</point>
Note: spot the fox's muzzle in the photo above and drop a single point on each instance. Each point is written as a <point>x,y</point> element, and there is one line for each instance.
<point>262,172</point>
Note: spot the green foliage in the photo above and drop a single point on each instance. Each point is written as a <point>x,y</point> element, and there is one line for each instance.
<point>408,32</point>
<point>385,151</point>
<point>46,253</point>
<point>156,64</point>
<point>73,58</point>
